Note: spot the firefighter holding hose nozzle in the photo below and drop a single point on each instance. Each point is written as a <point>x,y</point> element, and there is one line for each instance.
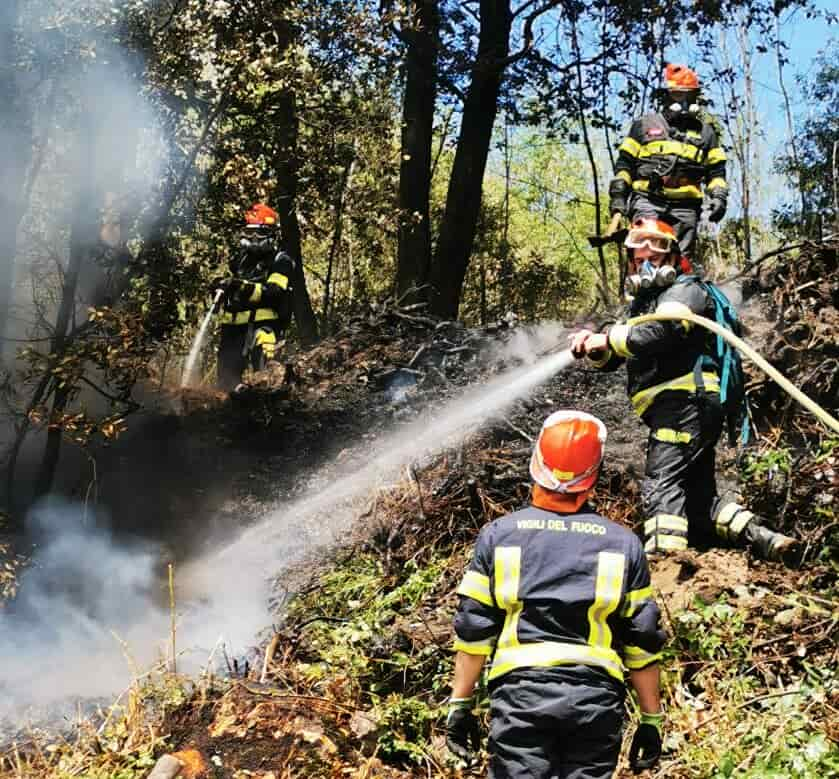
<point>685,387</point>
<point>256,298</point>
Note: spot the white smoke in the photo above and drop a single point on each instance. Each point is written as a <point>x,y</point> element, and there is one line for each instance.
<point>90,598</point>
<point>82,596</point>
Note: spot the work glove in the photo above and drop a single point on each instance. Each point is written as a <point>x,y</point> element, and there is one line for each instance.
<point>716,209</point>
<point>617,205</point>
<point>463,732</point>
<point>645,750</point>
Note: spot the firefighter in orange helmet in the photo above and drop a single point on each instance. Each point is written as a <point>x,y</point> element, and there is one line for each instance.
<point>559,599</point>
<point>671,162</point>
<point>256,307</point>
<point>674,385</point>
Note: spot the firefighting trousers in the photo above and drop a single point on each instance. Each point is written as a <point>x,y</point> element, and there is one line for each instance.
<point>555,723</point>
<point>682,217</point>
<point>679,491</point>
<point>243,346</point>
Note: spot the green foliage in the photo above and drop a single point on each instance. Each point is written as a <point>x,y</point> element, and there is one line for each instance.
<point>768,465</point>
<point>713,631</point>
<point>404,728</point>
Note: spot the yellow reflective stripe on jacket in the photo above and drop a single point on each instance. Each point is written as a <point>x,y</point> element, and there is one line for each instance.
<point>484,648</point>
<point>476,586</point>
<point>642,400</point>
<point>601,361</point>
<point>688,192</point>
<point>686,151</point>
<point>280,279</point>
<point>544,654</point>
<point>635,658</point>
<point>630,146</point>
<point>671,436</point>
<point>244,317</point>
<point>671,522</point>
<point>625,175</point>
<point>617,337</point>
<point>715,156</point>
<point>607,596</point>
<point>717,183</point>
<point>666,544</point>
<point>634,599</point>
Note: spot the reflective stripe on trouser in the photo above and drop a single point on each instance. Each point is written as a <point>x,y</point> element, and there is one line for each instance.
<point>684,218</point>
<point>679,488</point>
<point>562,723</point>
<point>730,520</point>
<point>265,339</point>
<point>235,354</point>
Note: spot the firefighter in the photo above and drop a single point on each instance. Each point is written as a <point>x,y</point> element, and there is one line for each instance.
<point>559,597</point>
<point>256,307</point>
<point>666,160</point>
<point>675,391</point>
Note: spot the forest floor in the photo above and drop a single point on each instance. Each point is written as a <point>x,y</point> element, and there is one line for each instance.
<point>352,681</point>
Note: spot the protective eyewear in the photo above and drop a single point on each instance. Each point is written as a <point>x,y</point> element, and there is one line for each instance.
<point>638,240</point>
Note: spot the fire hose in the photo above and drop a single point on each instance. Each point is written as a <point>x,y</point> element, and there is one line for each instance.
<point>739,344</point>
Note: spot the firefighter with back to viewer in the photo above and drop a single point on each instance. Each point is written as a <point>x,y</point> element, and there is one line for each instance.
<point>256,309</point>
<point>559,597</point>
<point>672,161</point>
<point>674,385</point>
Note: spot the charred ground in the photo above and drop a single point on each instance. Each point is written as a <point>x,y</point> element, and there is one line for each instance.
<point>351,681</point>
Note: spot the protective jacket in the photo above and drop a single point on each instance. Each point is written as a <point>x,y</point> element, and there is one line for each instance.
<point>671,160</point>
<point>546,589</point>
<point>662,357</point>
<point>268,280</point>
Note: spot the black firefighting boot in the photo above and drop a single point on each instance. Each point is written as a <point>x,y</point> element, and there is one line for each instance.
<point>769,545</point>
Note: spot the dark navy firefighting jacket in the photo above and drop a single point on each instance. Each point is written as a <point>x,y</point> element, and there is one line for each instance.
<point>547,589</point>
<point>661,356</point>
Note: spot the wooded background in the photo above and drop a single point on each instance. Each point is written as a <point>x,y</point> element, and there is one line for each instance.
<point>452,152</point>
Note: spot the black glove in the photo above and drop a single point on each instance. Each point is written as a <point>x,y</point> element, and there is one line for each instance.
<point>716,209</point>
<point>646,742</point>
<point>219,283</point>
<point>463,733</point>
<point>617,206</point>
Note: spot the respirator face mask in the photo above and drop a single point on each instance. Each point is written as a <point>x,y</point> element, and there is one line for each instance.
<point>648,275</point>
<point>683,103</point>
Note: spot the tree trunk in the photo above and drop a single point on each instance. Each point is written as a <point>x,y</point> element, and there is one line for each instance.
<point>463,201</point>
<point>414,253</point>
<point>16,132</point>
<point>286,165</point>
<point>84,238</point>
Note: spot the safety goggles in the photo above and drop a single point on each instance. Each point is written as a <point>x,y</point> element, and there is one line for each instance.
<point>637,239</point>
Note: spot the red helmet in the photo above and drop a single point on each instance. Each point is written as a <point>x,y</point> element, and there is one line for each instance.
<point>568,452</point>
<point>260,215</point>
<point>654,233</point>
<point>680,78</point>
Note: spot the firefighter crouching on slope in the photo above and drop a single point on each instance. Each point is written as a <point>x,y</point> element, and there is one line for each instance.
<point>257,300</point>
<point>560,598</point>
<point>667,157</point>
<point>675,391</point>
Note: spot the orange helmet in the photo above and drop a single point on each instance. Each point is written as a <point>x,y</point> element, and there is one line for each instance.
<point>680,78</point>
<point>568,452</point>
<point>260,215</point>
<point>654,233</point>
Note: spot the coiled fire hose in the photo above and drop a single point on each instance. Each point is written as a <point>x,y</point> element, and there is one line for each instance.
<point>739,344</point>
